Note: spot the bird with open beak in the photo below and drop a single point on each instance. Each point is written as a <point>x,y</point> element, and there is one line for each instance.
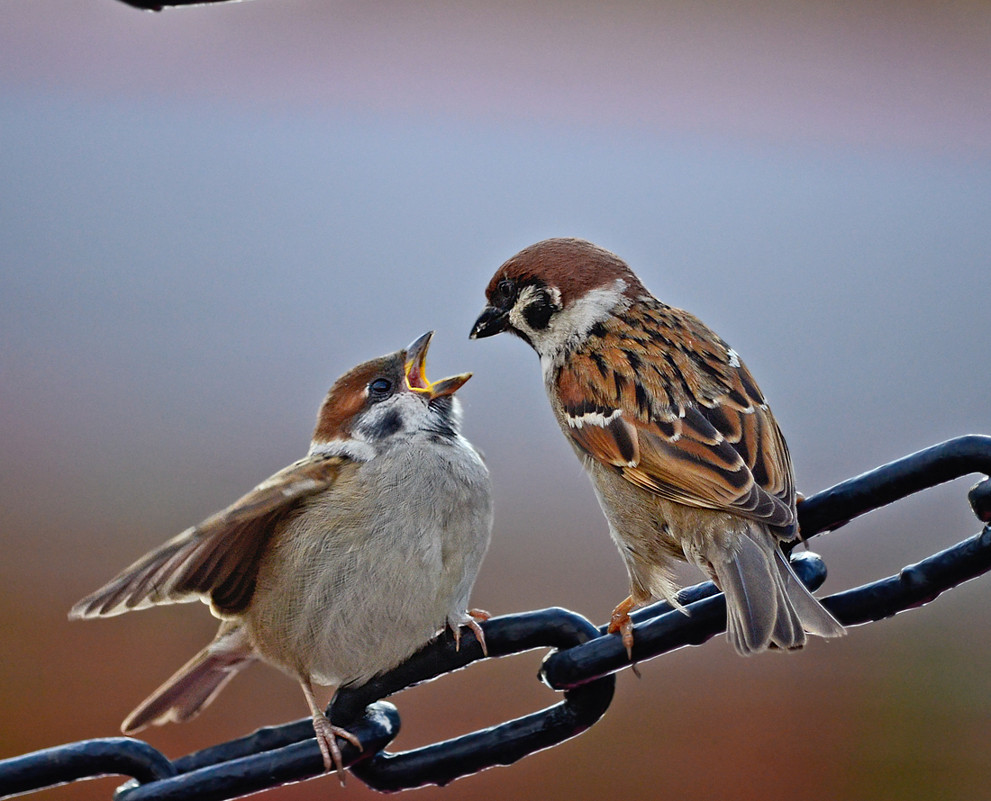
<point>341,565</point>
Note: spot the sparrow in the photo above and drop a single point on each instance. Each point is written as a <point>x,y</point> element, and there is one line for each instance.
<point>684,454</point>
<point>339,566</point>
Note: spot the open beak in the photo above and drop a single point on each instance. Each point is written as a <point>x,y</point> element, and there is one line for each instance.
<point>416,371</point>
<point>490,322</point>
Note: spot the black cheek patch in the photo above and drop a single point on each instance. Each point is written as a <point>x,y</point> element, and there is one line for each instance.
<point>387,425</point>
<point>538,314</point>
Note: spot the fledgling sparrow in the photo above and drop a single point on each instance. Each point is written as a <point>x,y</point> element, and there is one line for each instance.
<point>685,456</point>
<point>338,567</point>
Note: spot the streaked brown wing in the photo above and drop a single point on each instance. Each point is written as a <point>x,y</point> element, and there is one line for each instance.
<point>698,469</point>
<point>612,441</point>
<point>219,557</point>
<point>708,441</point>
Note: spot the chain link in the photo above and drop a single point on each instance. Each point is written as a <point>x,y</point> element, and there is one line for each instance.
<point>581,665</point>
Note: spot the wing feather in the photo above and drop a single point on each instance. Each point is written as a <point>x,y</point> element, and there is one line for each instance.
<point>698,425</point>
<point>217,559</point>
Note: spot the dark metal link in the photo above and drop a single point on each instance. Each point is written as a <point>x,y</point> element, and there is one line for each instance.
<point>915,585</point>
<point>504,744</point>
<point>581,665</point>
<point>268,738</point>
<point>108,756</point>
<point>808,566</point>
<point>841,503</point>
<point>239,776</point>
<point>980,500</point>
<point>658,629</point>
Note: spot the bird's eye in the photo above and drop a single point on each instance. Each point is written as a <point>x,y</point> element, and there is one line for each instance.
<point>379,388</point>
<point>504,291</point>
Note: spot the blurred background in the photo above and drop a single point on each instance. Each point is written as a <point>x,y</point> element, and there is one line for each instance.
<point>208,214</point>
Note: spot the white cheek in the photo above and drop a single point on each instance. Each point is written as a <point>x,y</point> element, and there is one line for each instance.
<point>569,327</point>
<point>547,368</point>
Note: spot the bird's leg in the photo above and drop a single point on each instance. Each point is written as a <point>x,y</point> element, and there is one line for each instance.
<point>799,498</point>
<point>620,622</point>
<point>327,733</point>
<point>474,615</point>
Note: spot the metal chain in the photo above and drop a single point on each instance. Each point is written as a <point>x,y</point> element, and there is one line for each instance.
<point>581,665</point>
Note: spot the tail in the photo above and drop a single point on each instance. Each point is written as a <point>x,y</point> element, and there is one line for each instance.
<point>765,601</point>
<point>196,683</point>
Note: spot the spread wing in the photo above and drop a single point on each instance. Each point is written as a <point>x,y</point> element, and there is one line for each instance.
<point>692,428</point>
<point>218,559</point>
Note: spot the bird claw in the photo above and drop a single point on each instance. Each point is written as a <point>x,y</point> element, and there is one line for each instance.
<point>327,735</point>
<point>621,622</point>
<point>474,615</point>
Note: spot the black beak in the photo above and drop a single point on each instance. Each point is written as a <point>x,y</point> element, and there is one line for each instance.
<point>490,322</point>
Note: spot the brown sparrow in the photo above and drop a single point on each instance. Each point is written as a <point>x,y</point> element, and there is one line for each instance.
<point>339,566</point>
<point>684,454</point>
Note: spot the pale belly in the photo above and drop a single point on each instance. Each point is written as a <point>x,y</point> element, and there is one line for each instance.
<point>369,582</point>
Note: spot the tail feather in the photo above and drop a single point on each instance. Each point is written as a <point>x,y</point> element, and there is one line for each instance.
<point>815,618</point>
<point>751,613</point>
<point>195,684</point>
<point>789,631</point>
<point>765,602</point>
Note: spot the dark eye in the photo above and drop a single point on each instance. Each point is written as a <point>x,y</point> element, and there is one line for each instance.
<point>379,388</point>
<point>505,291</point>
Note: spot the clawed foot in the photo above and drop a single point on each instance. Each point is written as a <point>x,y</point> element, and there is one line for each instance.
<point>474,615</point>
<point>327,735</point>
<point>620,622</point>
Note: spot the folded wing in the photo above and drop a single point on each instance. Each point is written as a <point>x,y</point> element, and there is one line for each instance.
<point>718,449</point>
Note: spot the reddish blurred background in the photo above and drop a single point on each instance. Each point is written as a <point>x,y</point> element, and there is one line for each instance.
<point>210,213</point>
